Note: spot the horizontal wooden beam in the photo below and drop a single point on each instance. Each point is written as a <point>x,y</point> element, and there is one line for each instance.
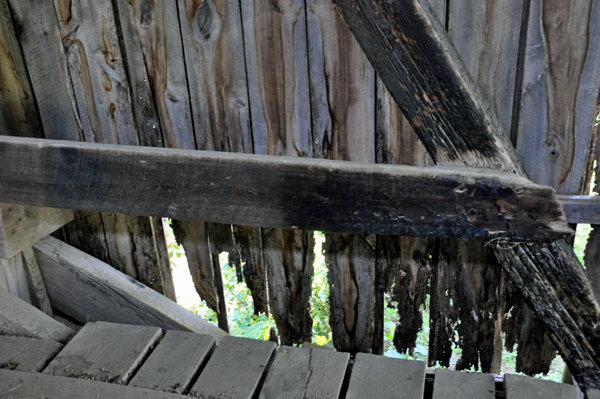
<point>279,192</point>
<point>581,208</point>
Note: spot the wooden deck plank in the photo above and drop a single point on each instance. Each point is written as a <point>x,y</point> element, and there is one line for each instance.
<point>592,394</point>
<point>305,373</point>
<point>234,370</point>
<point>174,362</point>
<point>450,384</point>
<point>105,352</point>
<point>19,385</point>
<point>26,354</point>
<point>379,377</point>
<point>522,387</point>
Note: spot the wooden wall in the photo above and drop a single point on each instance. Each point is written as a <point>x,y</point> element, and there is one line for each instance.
<point>287,77</point>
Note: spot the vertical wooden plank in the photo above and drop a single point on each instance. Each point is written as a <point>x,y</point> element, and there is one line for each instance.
<point>37,286</point>
<point>13,277</point>
<point>250,246</point>
<point>26,354</point>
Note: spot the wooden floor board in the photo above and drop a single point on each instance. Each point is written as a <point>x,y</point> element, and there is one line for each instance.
<point>305,373</point>
<point>377,377</point>
<point>26,354</point>
<point>105,352</point>
<point>522,387</point>
<point>450,384</point>
<point>174,362</point>
<point>234,370</point>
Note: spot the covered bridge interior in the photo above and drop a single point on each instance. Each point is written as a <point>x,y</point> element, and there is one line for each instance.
<point>446,148</point>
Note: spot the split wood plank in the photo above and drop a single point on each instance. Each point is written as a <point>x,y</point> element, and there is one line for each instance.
<point>22,226</point>
<point>382,378</point>
<point>87,289</point>
<point>13,278</point>
<point>305,373</point>
<point>37,286</point>
<point>20,318</point>
<point>105,352</point>
<point>449,99</point>
<point>523,387</point>
<point>450,384</point>
<point>17,385</point>
<point>235,369</point>
<point>26,354</point>
<point>174,362</point>
<point>279,191</point>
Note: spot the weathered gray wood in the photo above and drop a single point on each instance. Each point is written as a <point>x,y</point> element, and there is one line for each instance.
<point>592,394</point>
<point>305,373</point>
<point>105,352</point>
<point>13,277</point>
<point>235,369</point>
<point>22,226</point>
<point>266,191</point>
<point>382,378</point>
<point>523,387</point>
<point>26,354</point>
<point>20,318</point>
<point>90,290</point>
<point>450,384</point>
<point>16,385</point>
<point>581,208</point>
<point>37,286</point>
<point>174,362</point>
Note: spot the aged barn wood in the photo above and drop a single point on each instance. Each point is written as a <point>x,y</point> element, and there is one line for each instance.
<point>26,354</point>
<point>249,243</point>
<point>385,378</point>
<point>96,291</point>
<point>305,373</point>
<point>275,46</point>
<point>13,278</point>
<point>37,385</point>
<point>382,199</point>
<point>105,352</point>
<point>175,361</point>
<point>581,208</point>
<point>592,394</point>
<point>17,317</point>
<point>386,34</point>
<point>522,387</point>
<point>235,369</point>
<point>450,384</point>
<point>37,286</point>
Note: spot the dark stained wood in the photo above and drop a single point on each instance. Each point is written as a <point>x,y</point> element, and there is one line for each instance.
<point>16,384</point>
<point>382,378</point>
<point>174,362</point>
<point>105,352</point>
<point>305,373</point>
<point>249,242</point>
<point>89,290</point>
<point>26,354</point>
<point>522,387</point>
<point>264,191</point>
<point>449,384</point>
<point>235,369</point>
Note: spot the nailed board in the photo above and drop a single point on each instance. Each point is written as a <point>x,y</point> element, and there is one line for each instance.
<point>105,352</point>
<point>450,384</point>
<point>376,377</point>
<point>305,373</point>
<point>26,354</point>
<point>235,369</point>
<point>279,191</point>
<point>522,387</point>
<point>174,362</point>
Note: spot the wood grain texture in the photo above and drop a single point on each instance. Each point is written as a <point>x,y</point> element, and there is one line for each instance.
<point>449,384</point>
<point>13,277</point>
<point>518,386</point>
<point>581,208</point>
<point>105,352</point>
<point>23,226</point>
<point>37,286</point>
<point>234,370</point>
<point>305,373</point>
<point>174,362</point>
<point>462,202</point>
<point>17,384</point>
<point>96,291</point>
<point>26,354</point>
<point>20,318</point>
<point>381,377</point>
<point>250,246</point>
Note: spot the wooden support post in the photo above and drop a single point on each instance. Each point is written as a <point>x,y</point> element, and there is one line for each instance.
<point>412,52</point>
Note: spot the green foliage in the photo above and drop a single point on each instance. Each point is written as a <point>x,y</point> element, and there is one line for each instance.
<point>319,300</point>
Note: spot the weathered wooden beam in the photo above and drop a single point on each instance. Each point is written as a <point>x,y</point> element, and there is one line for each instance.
<point>417,62</point>
<point>279,192</point>
<point>581,208</point>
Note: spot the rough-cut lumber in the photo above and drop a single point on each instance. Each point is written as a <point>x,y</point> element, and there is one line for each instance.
<point>26,354</point>
<point>450,384</point>
<point>17,384</point>
<point>413,54</point>
<point>278,192</point>
<point>523,387</point>
<point>37,287</point>
<point>174,362</point>
<point>89,290</point>
<point>13,277</point>
<point>581,208</point>
<point>22,226</point>
<point>105,352</point>
<point>20,318</point>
